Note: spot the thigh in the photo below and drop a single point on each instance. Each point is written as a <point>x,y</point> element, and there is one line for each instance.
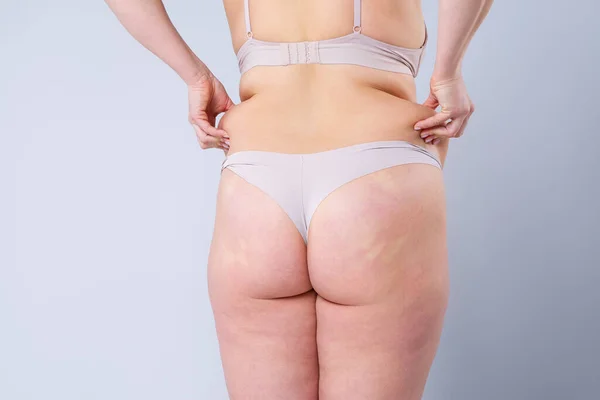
<point>262,299</point>
<point>378,261</point>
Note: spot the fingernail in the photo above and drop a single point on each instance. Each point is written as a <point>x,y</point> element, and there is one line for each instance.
<point>417,128</point>
<point>423,134</point>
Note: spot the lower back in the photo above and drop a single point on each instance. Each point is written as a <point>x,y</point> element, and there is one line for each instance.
<point>313,107</point>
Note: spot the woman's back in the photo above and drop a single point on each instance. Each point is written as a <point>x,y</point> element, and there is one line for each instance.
<point>311,107</point>
<point>337,219</point>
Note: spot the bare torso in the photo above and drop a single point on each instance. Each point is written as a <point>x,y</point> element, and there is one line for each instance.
<point>313,107</point>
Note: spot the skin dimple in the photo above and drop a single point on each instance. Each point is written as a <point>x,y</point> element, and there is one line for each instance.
<point>243,244</point>
<point>382,282</point>
<point>399,208</point>
<point>374,250</point>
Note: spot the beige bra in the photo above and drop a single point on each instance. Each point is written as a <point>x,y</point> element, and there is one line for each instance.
<point>354,48</point>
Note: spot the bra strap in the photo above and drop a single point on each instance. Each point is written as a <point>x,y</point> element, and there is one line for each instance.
<point>247,18</point>
<point>357,28</point>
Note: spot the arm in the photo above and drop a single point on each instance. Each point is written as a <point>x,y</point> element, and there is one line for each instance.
<point>147,21</point>
<point>458,21</point>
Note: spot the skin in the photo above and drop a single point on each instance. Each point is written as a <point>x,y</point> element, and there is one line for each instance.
<point>358,313</point>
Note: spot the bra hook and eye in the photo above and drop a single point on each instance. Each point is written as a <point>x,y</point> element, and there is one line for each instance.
<point>357,29</point>
<point>249,33</point>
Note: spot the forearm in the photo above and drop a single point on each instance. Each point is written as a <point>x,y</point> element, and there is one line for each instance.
<point>458,21</point>
<point>147,21</point>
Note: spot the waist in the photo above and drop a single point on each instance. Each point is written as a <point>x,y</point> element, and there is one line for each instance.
<point>310,108</point>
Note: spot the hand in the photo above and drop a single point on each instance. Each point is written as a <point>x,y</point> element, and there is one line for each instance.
<point>456,106</point>
<point>207,99</point>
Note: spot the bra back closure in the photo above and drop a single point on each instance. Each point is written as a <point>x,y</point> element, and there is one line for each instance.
<point>299,53</point>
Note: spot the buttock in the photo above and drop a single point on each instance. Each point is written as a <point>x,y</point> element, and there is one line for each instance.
<point>299,182</point>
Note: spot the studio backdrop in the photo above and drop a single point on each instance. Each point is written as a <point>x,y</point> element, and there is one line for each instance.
<point>107,208</point>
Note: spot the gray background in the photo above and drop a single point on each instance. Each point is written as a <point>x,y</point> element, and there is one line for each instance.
<point>107,208</point>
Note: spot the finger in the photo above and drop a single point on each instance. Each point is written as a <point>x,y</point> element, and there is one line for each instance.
<point>210,129</point>
<point>205,140</point>
<point>431,102</point>
<point>208,141</point>
<point>427,137</point>
<point>225,143</point>
<point>453,127</point>
<point>435,120</point>
<point>438,131</point>
<point>463,127</point>
<point>448,130</point>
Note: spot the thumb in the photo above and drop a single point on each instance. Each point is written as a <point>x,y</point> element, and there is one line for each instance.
<point>229,104</point>
<point>198,117</point>
<point>431,102</point>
